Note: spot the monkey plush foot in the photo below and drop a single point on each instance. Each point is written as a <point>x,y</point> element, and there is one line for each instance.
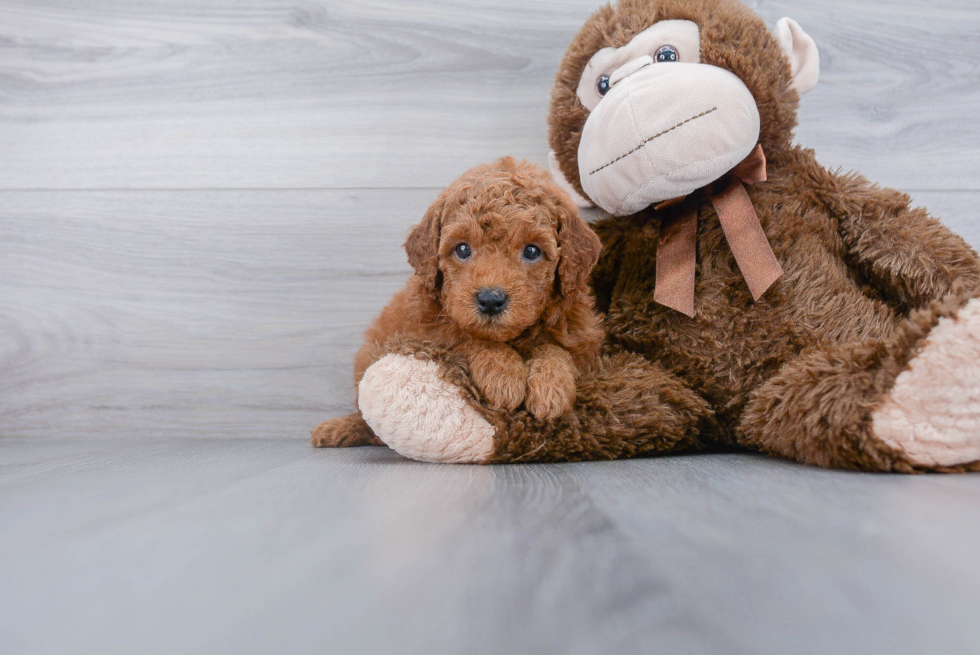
<point>932,414</point>
<point>420,415</point>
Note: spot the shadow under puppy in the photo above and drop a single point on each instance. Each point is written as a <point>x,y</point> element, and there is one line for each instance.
<point>501,263</point>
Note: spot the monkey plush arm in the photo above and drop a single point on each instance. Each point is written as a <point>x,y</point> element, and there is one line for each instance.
<point>909,255</point>
<point>422,402</point>
<point>624,406</point>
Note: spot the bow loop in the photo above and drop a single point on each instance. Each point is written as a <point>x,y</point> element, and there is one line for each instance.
<point>752,169</point>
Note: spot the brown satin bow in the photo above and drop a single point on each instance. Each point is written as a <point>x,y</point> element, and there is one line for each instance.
<point>677,245</point>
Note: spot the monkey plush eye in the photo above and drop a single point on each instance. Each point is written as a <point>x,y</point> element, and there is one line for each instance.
<point>463,251</point>
<point>602,86</point>
<point>531,253</point>
<point>666,53</point>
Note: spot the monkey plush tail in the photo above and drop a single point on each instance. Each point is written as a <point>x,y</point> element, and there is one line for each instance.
<point>343,432</point>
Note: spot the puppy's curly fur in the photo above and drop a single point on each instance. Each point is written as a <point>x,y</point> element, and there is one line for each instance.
<point>474,238</point>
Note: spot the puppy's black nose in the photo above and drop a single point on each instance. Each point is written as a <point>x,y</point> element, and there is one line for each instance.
<point>491,301</point>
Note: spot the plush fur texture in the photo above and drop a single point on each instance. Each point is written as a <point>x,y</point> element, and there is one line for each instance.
<point>866,317</point>
<point>530,352</point>
<point>800,372</point>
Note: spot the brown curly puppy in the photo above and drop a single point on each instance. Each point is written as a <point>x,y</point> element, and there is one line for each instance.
<point>501,262</point>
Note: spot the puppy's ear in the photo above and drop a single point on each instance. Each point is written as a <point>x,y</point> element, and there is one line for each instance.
<point>579,250</point>
<point>422,245</point>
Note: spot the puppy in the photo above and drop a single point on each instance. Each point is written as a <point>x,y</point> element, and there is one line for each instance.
<point>501,262</point>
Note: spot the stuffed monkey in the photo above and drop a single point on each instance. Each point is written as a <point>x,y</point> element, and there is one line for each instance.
<point>753,298</point>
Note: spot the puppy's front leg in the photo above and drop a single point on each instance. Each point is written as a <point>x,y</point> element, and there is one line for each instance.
<point>550,382</point>
<point>498,371</point>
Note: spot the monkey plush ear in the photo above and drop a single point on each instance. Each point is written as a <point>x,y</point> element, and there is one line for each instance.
<point>580,249</point>
<point>422,245</point>
<point>804,58</point>
<point>565,185</point>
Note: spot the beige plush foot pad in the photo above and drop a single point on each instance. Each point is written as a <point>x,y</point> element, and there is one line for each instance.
<point>933,412</point>
<point>420,415</point>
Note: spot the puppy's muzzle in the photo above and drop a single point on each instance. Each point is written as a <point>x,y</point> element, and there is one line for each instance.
<point>491,302</point>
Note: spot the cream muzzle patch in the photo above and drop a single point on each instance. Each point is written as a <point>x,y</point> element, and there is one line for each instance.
<point>663,131</point>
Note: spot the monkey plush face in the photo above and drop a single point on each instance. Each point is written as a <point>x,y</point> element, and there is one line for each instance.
<point>659,98</point>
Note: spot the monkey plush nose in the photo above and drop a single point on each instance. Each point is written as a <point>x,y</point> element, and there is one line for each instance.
<point>491,301</point>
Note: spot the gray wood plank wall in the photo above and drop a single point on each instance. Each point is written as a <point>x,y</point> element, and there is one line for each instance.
<point>202,203</point>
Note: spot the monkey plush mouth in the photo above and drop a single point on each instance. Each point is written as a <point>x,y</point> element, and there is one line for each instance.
<point>706,121</point>
<point>655,136</point>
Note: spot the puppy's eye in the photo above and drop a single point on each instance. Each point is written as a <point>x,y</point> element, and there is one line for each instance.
<point>602,85</point>
<point>463,251</point>
<point>531,253</point>
<point>667,53</point>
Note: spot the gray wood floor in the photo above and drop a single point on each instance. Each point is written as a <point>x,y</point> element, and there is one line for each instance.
<point>202,205</point>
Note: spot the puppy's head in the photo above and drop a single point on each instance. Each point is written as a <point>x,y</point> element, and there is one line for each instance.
<point>500,247</point>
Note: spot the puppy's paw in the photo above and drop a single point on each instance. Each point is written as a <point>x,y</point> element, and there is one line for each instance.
<point>344,432</point>
<point>504,388</point>
<point>327,434</point>
<point>550,388</point>
<point>501,376</point>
